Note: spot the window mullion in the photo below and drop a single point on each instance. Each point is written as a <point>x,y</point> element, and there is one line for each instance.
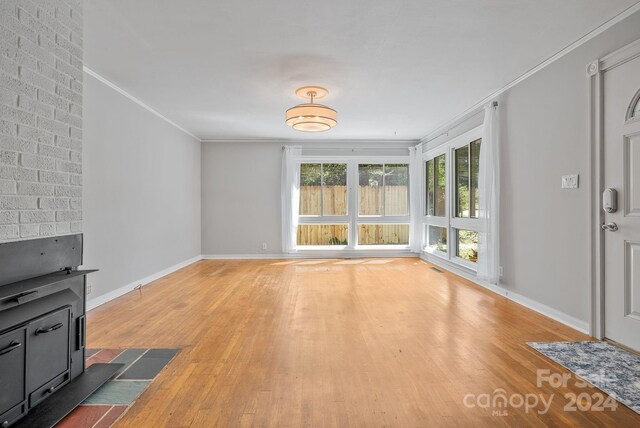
<point>321,189</point>
<point>433,180</point>
<point>384,178</point>
<point>469,176</point>
<point>353,189</point>
<point>450,196</point>
<point>435,183</point>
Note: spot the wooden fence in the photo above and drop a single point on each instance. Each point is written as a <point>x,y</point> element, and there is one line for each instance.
<point>383,234</point>
<point>323,234</point>
<point>396,201</point>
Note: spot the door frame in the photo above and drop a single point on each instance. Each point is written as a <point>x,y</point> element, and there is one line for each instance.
<point>595,76</point>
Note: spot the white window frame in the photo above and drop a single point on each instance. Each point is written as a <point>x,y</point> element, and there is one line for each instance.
<point>432,220</point>
<point>353,217</point>
<point>326,219</point>
<point>449,221</point>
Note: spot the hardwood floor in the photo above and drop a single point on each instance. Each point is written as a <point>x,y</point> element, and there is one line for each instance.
<point>348,343</point>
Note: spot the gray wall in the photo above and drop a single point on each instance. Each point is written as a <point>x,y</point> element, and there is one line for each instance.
<point>545,229</point>
<point>142,191</point>
<point>40,118</point>
<point>241,195</point>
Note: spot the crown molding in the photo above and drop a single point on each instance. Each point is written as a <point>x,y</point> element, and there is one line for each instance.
<point>121,91</point>
<point>471,111</point>
<point>318,141</point>
<point>619,57</point>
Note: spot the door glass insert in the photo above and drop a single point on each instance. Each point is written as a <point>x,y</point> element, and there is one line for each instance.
<point>634,109</point>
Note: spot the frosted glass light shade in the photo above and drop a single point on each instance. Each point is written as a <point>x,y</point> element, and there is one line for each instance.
<point>311,117</point>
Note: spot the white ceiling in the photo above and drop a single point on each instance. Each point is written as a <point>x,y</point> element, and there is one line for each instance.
<point>227,69</point>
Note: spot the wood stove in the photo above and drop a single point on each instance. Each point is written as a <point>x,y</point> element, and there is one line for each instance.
<point>42,332</point>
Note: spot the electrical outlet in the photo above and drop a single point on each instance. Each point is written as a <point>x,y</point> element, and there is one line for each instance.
<point>89,288</point>
<point>570,181</point>
<point>264,245</point>
<point>500,271</point>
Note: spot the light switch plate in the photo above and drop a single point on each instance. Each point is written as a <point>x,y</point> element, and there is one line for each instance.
<point>570,181</point>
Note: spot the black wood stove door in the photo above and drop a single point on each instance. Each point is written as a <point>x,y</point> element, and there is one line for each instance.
<point>48,355</point>
<point>12,361</point>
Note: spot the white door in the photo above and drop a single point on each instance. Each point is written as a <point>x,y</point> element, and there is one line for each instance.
<point>622,173</point>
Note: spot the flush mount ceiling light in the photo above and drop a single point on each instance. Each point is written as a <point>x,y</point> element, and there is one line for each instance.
<point>311,117</point>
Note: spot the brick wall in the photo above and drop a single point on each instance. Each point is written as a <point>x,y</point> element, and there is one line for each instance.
<point>40,118</point>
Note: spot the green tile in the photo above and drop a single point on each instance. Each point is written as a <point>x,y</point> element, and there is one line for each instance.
<point>149,365</point>
<point>128,357</point>
<point>118,392</point>
<point>162,353</point>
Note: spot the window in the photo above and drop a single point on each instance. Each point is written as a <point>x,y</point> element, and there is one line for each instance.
<point>323,189</point>
<point>451,174</point>
<point>323,234</point>
<point>370,192</point>
<point>396,190</point>
<point>374,213</point>
<point>467,244</point>
<point>323,205</point>
<point>334,189</point>
<point>436,186</point>
<point>467,160</point>
<point>383,190</point>
<point>383,234</point>
<point>383,193</point>
<point>437,238</point>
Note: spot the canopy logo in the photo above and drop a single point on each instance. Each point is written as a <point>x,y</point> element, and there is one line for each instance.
<point>500,402</point>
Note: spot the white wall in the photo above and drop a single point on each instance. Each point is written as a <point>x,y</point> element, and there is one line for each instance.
<point>40,119</point>
<point>241,195</point>
<point>141,191</point>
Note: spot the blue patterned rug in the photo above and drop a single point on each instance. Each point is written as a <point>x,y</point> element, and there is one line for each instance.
<point>605,366</point>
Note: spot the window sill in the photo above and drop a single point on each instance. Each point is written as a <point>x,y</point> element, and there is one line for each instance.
<point>361,251</point>
<point>321,248</point>
<point>469,267</point>
<point>347,248</point>
<point>437,253</point>
<point>381,247</point>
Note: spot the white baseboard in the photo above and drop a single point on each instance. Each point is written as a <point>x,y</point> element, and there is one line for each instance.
<point>541,308</point>
<point>243,256</point>
<point>310,254</point>
<point>574,323</point>
<point>101,300</point>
